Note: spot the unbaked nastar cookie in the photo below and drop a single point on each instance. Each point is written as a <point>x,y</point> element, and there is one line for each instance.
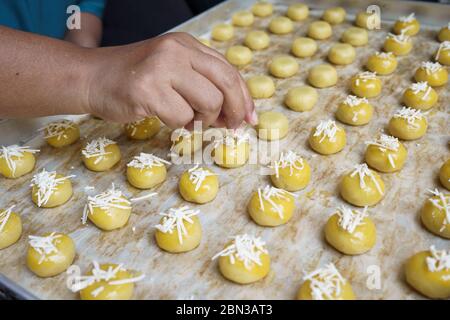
<point>408,25</point>
<point>366,84</point>
<point>291,172</point>
<point>385,154</point>
<point>257,40</point>
<point>420,96</point>
<point>283,66</point>
<point>101,154</point>
<point>399,44</point>
<point>199,185</point>
<point>272,125</point>
<point>302,98</point>
<point>322,76</point>
<point>355,36</point>
<point>62,133</point>
<point>50,189</point>
<point>319,30</point>
<point>10,227</point>
<point>143,129</point>
<point>444,174</point>
<point>444,33</point>
<point>433,73</point>
<point>408,124</point>
<point>261,87</point>
<point>16,161</point>
<point>443,53</point>
<point>435,214</point>
<point>327,138</point>
<point>146,171</point>
<point>334,15</point>
<point>222,32</point>
<point>281,25</point>
<point>382,63</point>
<point>354,111</point>
<point>239,56</point>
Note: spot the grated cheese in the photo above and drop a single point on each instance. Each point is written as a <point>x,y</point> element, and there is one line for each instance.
<point>96,149</point>
<point>4,217</point>
<point>444,46</point>
<point>233,138</point>
<point>46,182</point>
<point>268,193</point>
<point>147,161</point>
<point>438,261</point>
<point>363,171</point>
<point>384,143</point>
<point>410,115</point>
<point>289,159</point>
<point>197,175</point>
<point>14,151</point>
<point>430,67</point>
<point>144,197</point>
<point>326,129</point>
<point>443,203</point>
<point>325,283</point>
<point>409,18</point>
<point>350,219</point>
<point>44,245</point>
<point>176,218</point>
<point>364,77</point>
<point>384,55</point>
<point>57,129</point>
<point>353,101</point>
<point>421,87</point>
<point>400,38</point>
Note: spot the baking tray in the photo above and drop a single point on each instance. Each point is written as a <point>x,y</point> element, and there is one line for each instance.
<point>296,247</point>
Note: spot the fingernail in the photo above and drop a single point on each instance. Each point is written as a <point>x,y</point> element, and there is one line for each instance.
<point>254,118</point>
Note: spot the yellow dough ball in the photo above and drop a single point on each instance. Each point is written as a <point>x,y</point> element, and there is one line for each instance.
<point>355,36</point>
<point>354,111</point>
<point>420,96</point>
<point>297,12</point>
<point>351,232</point>
<point>244,260</point>
<point>444,174</point>
<point>408,124</point>
<point>291,172</point>
<point>49,189</point>
<point>281,25</point>
<point>101,154</point>
<point>108,210</point>
<point>408,25</point>
<point>16,161</point>
<point>50,254</point>
<point>319,30</point>
<point>222,32</point>
<point>385,154</point>
<point>239,56</point>
<point>257,40</point>
<point>271,207</point>
<point>301,98</point>
<point>261,87</point>
<point>283,66</point>
<point>232,151</point>
<point>433,73</point>
<point>368,20</point>
<point>325,283</point>
<point>146,171</point>
<point>10,227</point>
<point>366,84</point>
<point>179,230</point>
<point>383,63</point>
<point>199,185</point>
<point>327,138</point>
<point>143,129</point>
<point>400,45</point>
<point>428,273</point>
<point>342,54</point>
<point>334,15</point>
<point>304,47</point>
<point>185,142</point>
<point>61,134</point>
<point>243,19</point>
<point>322,76</point>
<point>272,126</point>
<point>434,214</point>
<point>443,53</point>
<point>262,9</point>
<point>362,187</point>
<point>444,33</point>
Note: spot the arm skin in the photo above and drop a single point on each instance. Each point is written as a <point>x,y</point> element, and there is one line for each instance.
<point>173,76</point>
<point>89,35</point>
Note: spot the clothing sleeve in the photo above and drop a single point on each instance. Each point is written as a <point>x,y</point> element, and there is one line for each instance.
<point>94,7</point>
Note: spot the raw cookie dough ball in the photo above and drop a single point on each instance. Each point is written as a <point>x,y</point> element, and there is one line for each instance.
<point>351,232</point>
<point>143,129</point>
<point>420,96</point>
<point>408,25</point>
<point>16,161</point>
<point>444,174</point>
<point>382,63</point>
<point>101,154</point>
<point>281,25</point>
<point>301,98</point>
<point>244,259</point>
<point>319,30</point>
<point>10,227</point>
<point>326,277</point>
<point>261,87</point>
<point>271,207</point>
<point>334,15</point>
<point>50,255</point>
<point>362,187</point>
<point>408,124</point>
<point>108,210</point>
<point>443,53</point>
<point>50,189</point>
<point>185,142</point>
<point>243,19</point>
<point>199,185</point>
<point>327,138</point>
<point>272,126</point>
<point>283,66</point>
<point>239,55</point>
<point>366,84</point>
<point>434,214</point>
<point>400,45</point>
<point>146,171</point>
<point>433,73</point>
<point>386,154</point>
<point>232,151</point>
<point>222,32</point>
<point>322,76</point>
<point>179,230</point>
<point>257,40</point>
<point>367,20</point>
<point>354,111</point>
<point>304,47</point>
<point>292,172</point>
<point>297,12</point>
<point>444,33</point>
<point>342,54</point>
<point>61,134</point>
<point>262,9</point>
<point>355,36</point>
<point>428,273</point>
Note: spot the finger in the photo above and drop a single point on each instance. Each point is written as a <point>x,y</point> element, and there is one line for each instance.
<point>172,109</point>
<point>250,115</point>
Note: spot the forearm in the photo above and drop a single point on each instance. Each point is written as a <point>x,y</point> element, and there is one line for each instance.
<point>90,33</point>
<point>41,76</point>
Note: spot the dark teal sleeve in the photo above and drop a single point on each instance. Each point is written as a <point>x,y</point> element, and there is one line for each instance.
<point>94,7</point>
